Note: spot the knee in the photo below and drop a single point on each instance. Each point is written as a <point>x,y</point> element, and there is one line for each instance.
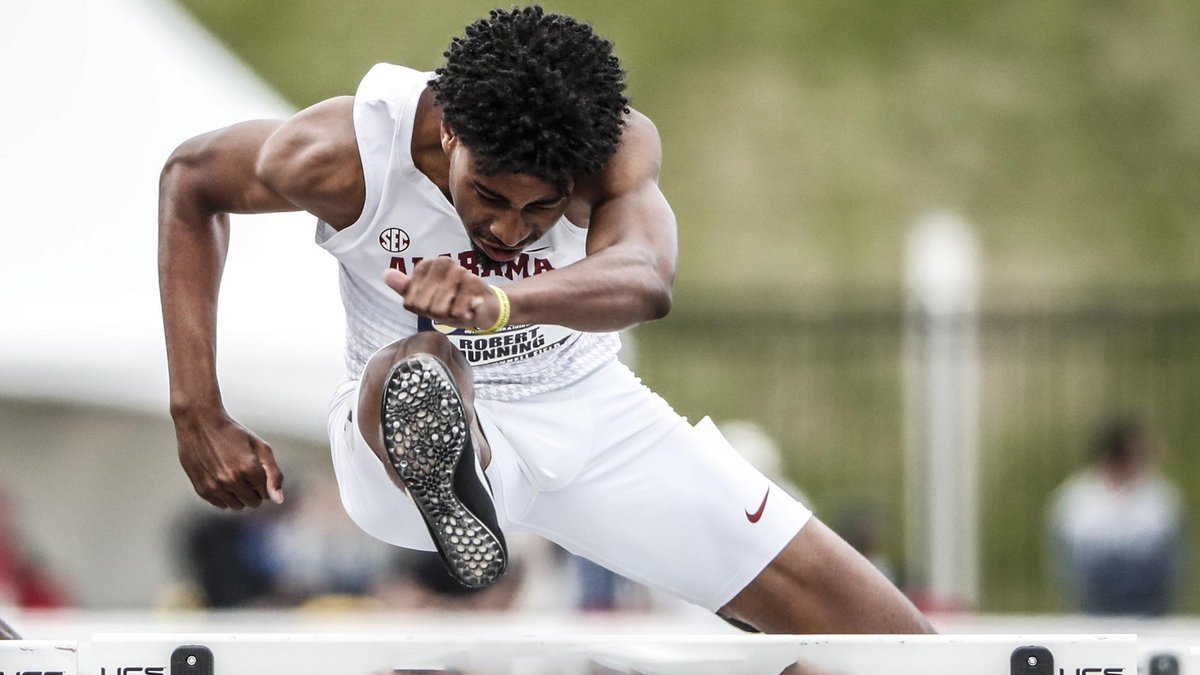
<point>429,342</point>
<point>433,342</point>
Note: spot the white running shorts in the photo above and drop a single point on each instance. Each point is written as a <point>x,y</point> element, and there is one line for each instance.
<point>607,470</point>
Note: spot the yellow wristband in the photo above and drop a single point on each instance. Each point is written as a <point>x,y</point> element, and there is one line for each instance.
<point>505,311</point>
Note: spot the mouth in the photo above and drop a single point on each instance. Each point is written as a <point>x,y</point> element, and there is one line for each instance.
<point>499,254</point>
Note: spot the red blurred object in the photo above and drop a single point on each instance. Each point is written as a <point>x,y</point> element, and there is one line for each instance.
<point>23,581</point>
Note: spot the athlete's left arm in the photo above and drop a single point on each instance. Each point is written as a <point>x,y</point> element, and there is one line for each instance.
<point>629,270</point>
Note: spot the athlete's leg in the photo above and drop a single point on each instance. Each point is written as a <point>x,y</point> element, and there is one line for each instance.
<point>7,633</point>
<point>819,584</point>
<point>374,376</point>
<point>416,411</point>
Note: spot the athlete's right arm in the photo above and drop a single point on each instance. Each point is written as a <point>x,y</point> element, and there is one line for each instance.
<point>309,162</point>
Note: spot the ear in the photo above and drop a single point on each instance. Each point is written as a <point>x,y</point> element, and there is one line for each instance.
<point>449,139</point>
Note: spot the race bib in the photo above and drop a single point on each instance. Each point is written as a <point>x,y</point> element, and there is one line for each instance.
<point>508,345</point>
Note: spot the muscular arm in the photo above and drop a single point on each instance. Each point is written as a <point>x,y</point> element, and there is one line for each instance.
<point>253,167</point>
<point>204,180</point>
<point>629,270</point>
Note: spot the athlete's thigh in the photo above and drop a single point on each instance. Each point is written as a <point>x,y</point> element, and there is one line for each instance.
<point>664,503</point>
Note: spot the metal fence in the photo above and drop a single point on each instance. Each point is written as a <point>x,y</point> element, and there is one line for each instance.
<point>829,386</point>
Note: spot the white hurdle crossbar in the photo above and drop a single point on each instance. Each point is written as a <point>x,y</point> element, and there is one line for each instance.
<point>327,654</point>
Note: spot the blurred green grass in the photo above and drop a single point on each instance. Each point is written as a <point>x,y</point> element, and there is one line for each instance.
<point>801,139</point>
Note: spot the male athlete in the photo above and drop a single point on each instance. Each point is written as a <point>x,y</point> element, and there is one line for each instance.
<point>495,223</point>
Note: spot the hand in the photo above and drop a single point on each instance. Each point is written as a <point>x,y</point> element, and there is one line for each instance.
<point>228,465</point>
<point>447,293</point>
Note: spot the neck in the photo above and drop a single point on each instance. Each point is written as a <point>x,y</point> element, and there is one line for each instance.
<point>427,153</point>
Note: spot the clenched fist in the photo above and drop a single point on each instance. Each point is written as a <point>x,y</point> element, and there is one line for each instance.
<point>447,293</point>
<point>228,465</point>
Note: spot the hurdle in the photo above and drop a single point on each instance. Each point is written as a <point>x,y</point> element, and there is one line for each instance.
<point>342,654</point>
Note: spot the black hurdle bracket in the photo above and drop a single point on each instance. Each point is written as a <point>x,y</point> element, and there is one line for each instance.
<point>1164,664</point>
<point>1031,660</point>
<point>192,660</point>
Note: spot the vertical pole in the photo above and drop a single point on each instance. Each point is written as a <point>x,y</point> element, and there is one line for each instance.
<point>942,409</point>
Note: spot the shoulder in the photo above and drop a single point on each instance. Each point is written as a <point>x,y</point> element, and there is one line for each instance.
<point>315,138</point>
<point>640,135</point>
<point>308,145</point>
<point>636,163</point>
<point>312,159</point>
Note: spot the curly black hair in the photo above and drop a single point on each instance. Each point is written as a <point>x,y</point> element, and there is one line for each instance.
<point>534,93</point>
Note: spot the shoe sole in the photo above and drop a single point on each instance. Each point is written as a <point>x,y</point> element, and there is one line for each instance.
<point>425,434</point>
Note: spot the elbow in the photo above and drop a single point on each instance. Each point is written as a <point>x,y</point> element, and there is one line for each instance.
<point>177,182</point>
<point>641,284</point>
<point>658,288</point>
<point>660,307</point>
<point>178,165</point>
<point>658,300</point>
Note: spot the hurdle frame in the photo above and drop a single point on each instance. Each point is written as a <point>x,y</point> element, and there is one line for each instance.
<point>368,654</point>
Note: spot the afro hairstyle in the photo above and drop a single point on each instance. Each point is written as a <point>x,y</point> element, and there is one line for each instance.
<point>533,93</point>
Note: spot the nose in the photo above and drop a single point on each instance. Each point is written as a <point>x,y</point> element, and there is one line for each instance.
<point>509,229</point>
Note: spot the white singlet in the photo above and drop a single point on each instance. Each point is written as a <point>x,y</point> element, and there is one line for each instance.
<point>406,219</point>
<point>582,453</point>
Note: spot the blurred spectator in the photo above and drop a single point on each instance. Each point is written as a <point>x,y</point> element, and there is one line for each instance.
<point>222,555</point>
<point>315,549</point>
<point>303,551</point>
<point>600,589</point>
<point>1117,529</point>
<point>592,587</point>
<point>25,580</point>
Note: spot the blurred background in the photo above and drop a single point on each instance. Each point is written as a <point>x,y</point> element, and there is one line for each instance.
<point>939,269</point>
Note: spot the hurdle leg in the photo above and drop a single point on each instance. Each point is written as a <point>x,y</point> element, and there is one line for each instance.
<point>7,632</point>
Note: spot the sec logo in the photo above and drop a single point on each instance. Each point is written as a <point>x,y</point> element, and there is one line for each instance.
<point>394,240</point>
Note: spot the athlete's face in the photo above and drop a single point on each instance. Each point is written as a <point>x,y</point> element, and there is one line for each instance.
<point>502,213</point>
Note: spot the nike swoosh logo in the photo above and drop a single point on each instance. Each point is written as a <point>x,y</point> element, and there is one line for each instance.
<point>753,517</point>
<point>535,250</point>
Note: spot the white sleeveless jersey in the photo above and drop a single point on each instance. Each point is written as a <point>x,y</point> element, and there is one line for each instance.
<point>406,219</point>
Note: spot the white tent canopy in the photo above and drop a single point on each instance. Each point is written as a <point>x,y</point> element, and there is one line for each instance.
<point>98,93</point>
